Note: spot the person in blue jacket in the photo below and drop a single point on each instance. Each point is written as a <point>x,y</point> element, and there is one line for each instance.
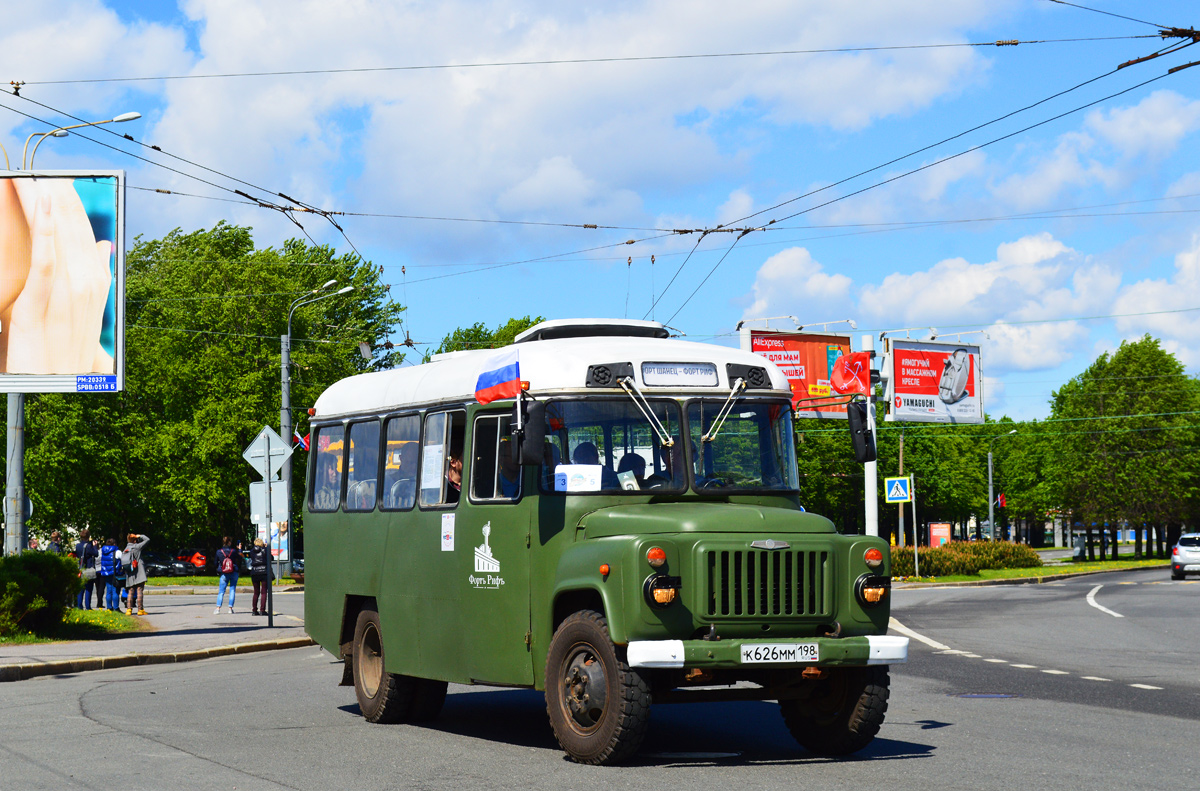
<point>110,561</point>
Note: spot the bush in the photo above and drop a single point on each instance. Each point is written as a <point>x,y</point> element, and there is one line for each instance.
<point>963,558</point>
<point>35,590</point>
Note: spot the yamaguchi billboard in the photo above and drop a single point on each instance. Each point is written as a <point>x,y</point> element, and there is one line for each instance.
<point>807,360</point>
<point>62,281</point>
<point>934,382</point>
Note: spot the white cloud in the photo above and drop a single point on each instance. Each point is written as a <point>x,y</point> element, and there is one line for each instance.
<point>1153,127</point>
<point>1177,293</point>
<point>792,283</point>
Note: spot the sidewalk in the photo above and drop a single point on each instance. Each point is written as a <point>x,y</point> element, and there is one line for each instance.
<point>183,629</point>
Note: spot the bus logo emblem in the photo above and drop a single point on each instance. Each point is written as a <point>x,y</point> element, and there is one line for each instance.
<point>484,562</point>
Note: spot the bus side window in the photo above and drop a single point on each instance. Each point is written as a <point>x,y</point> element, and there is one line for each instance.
<point>327,479</point>
<point>400,463</point>
<point>495,474</point>
<point>363,474</point>
<point>441,458</point>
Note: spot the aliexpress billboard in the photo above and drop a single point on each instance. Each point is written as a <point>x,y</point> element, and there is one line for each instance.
<point>807,360</point>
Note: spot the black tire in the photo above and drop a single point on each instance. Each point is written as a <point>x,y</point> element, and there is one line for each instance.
<point>843,714</point>
<point>382,696</point>
<point>599,708</point>
<point>1175,576</point>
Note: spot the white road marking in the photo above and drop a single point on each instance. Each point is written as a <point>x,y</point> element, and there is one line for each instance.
<point>1056,672</point>
<point>1094,678</point>
<point>999,661</point>
<point>1091,599</point>
<point>909,633</point>
<point>1143,686</point>
<point>1026,667</point>
<point>973,656</point>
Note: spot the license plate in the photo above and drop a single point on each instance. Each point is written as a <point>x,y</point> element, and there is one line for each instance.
<point>760,653</point>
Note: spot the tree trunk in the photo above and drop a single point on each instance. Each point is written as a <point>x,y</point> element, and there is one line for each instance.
<point>1116,536</point>
<point>1091,548</point>
<point>1137,542</point>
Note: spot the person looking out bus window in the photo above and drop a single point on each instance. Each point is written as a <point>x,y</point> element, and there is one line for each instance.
<point>328,486</point>
<point>454,468</point>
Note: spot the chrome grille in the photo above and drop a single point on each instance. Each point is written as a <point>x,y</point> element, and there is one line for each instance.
<point>752,583</point>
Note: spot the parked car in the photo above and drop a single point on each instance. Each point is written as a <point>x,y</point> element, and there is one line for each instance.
<point>196,559</point>
<point>1185,557</point>
<point>161,565</point>
<point>298,563</point>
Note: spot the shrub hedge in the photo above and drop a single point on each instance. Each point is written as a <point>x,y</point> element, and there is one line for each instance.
<point>963,558</point>
<point>35,590</point>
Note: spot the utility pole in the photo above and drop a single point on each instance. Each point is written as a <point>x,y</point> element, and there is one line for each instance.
<point>15,538</point>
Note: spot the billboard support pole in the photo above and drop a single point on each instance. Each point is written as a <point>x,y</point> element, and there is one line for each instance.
<point>15,537</point>
<point>912,491</point>
<point>870,473</point>
<point>901,472</point>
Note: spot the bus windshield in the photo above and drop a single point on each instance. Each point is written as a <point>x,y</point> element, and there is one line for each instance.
<point>753,449</point>
<point>608,445</point>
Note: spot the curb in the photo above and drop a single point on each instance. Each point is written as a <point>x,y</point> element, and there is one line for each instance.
<point>205,590</point>
<point>84,664</point>
<point>1018,580</point>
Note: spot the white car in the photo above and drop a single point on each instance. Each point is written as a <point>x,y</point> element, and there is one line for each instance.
<point>1185,557</point>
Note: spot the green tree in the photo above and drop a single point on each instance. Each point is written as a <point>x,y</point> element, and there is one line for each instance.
<point>205,314</point>
<point>478,336</point>
<point>1127,448</point>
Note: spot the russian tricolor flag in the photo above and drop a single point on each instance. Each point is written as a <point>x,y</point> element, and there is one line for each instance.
<point>500,379</point>
<point>301,441</point>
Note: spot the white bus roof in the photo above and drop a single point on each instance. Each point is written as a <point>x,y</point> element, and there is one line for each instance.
<point>550,366</point>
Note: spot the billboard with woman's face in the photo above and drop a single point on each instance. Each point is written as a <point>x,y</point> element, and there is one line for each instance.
<point>62,281</point>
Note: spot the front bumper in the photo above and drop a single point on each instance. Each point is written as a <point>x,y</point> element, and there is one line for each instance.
<point>832,652</point>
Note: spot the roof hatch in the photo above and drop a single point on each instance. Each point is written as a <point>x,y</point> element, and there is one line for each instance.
<point>592,328</point>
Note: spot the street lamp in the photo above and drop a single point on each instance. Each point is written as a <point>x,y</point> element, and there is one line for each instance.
<point>991,495</point>
<point>285,406</point>
<point>62,132</point>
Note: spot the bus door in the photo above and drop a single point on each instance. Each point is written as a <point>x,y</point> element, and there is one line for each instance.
<point>491,543</point>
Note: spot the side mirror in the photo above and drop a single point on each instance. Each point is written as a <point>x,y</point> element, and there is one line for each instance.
<point>530,440</point>
<point>860,435</point>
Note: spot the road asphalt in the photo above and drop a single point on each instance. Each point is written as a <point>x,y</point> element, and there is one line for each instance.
<point>181,627</point>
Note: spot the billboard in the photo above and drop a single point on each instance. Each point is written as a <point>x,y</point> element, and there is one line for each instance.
<point>934,382</point>
<point>62,281</point>
<point>807,360</point>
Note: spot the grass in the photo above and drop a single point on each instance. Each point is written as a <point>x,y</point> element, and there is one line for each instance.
<point>1044,571</point>
<point>82,625</point>
<point>199,581</point>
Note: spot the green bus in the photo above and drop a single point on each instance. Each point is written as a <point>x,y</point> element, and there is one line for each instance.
<point>624,527</point>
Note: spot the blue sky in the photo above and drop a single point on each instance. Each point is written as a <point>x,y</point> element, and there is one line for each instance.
<point>1029,238</point>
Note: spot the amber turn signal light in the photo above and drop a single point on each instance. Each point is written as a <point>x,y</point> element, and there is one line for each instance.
<point>664,596</point>
<point>604,569</point>
<point>873,557</point>
<point>872,589</point>
<point>656,556</point>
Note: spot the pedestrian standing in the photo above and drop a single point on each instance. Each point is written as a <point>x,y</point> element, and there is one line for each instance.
<point>119,580</point>
<point>85,556</point>
<point>260,575</point>
<point>109,562</point>
<point>229,559</point>
<point>135,572</point>
<point>55,544</point>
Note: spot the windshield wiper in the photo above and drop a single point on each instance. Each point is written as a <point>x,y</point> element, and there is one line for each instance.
<point>738,385</point>
<point>629,386</point>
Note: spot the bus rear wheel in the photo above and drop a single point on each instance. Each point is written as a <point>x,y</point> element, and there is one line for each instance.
<point>389,697</point>
<point>843,714</point>
<point>598,706</point>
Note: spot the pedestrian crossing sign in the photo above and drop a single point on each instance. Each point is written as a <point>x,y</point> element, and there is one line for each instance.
<point>897,490</point>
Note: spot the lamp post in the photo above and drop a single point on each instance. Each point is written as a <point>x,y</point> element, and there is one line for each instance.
<point>991,495</point>
<point>285,404</point>
<point>62,132</point>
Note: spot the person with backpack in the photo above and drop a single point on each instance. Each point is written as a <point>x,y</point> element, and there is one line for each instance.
<point>229,560</point>
<point>118,580</point>
<point>85,556</point>
<point>260,574</point>
<point>135,572</point>
<point>109,562</point>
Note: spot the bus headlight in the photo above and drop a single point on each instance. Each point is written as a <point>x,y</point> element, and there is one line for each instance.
<point>871,589</point>
<point>661,590</point>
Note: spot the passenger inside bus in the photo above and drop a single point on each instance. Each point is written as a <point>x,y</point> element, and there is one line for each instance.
<point>588,453</point>
<point>402,481</point>
<point>510,471</point>
<point>633,463</point>
<point>454,476</point>
<point>328,484</point>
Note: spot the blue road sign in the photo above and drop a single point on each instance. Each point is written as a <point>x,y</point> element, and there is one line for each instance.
<point>897,490</point>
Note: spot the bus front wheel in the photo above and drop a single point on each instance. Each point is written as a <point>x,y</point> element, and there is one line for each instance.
<point>598,706</point>
<point>844,712</point>
<point>384,696</point>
